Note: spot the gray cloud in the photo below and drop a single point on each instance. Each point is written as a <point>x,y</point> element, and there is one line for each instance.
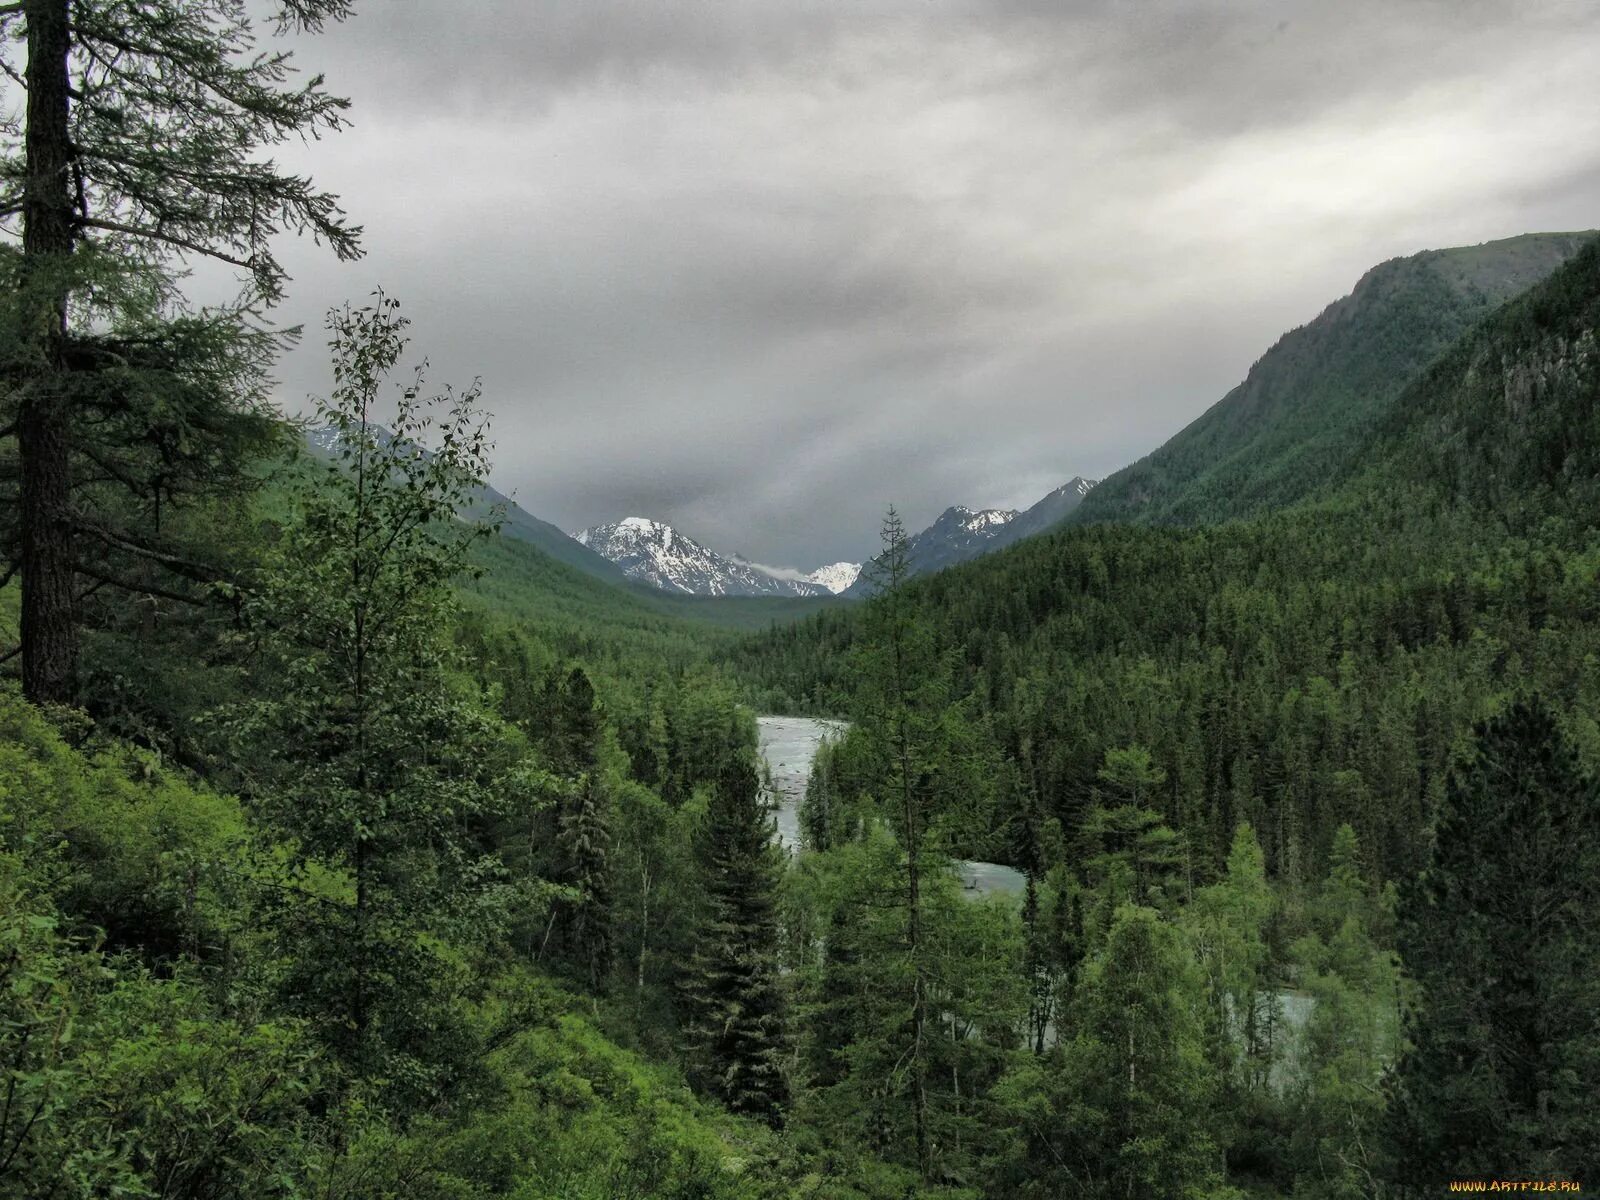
<point>759,267</point>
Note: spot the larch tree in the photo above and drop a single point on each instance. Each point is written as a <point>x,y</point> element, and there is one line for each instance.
<point>1228,925</point>
<point>897,718</point>
<point>1142,1122</point>
<point>1126,1107</point>
<point>140,148</point>
<point>1347,1042</point>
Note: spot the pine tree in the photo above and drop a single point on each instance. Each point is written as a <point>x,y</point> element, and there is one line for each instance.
<point>1499,936</point>
<point>140,144</point>
<point>735,998</point>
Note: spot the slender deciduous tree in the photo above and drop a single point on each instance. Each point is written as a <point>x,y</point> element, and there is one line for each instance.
<point>362,753</point>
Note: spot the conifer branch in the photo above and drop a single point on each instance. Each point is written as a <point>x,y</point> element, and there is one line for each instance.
<point>138,589</point>
<point>199,572</point>
<point>169,239</point>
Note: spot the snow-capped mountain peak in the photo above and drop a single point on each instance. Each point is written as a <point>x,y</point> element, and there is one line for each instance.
<point>654,552</point>
<point>836,576</point>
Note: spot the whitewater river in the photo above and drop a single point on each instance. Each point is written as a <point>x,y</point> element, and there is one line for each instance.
<point>788,744</point>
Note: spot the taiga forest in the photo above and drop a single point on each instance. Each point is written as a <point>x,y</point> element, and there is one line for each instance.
<point>1228,828</point>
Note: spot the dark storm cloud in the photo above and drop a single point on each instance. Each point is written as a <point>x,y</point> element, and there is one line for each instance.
<point>759,267</point>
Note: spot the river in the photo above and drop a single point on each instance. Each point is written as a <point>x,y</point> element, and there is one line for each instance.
<point>789,744</point>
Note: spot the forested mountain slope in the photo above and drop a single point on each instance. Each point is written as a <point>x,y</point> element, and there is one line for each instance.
<point>1301,414</point>
<point>517,522</point>
<point>1317,666</point>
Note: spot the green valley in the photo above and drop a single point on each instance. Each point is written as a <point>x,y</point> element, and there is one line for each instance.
<point>1225,830</point>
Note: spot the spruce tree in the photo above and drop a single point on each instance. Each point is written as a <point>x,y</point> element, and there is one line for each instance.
<point>140,144</point>
<point>735,998</point>
<point>572,743</point>
<point>580,828</point>
<point>584,850</point>
<point>1500,936</point>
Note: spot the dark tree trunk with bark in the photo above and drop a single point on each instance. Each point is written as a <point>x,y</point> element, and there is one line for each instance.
<point>49,631</point>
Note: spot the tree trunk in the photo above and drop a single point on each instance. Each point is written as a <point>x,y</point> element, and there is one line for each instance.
<point>49,626</point>
<point>919,1010</point>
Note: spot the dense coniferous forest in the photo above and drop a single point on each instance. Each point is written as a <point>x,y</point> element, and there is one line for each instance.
<point>353,847</point>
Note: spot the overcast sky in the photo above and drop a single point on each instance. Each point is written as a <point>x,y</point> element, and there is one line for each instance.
<point>759,267</point>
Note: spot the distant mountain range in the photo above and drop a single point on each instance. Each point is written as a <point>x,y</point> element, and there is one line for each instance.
<point>653,552</point>
<point>962,533</point>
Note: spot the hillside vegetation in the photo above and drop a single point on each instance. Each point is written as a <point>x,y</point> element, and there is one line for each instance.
<point>1304,411</point>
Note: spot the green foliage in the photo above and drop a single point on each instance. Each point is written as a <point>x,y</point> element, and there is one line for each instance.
<point>1130,856</point>
<point>142,144</point>
<point>1228,925</point>
<point>566,1116</point>
<point>1124,1107</point>
<point>846,937</point>
<point>1348,1042</point>
<point>121,1083</point>
<point>1499,936</point>
<point>361,753</point>
<point>735,999</point>
<point>135,852</point>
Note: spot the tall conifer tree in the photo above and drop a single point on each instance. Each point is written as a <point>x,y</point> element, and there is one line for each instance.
<point>736,1024</point>
<point>1500,936</point>
<point>140,143</point>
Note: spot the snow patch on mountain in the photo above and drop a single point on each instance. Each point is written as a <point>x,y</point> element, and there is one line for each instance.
<point>983,522</point>
<point>655,553</point>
